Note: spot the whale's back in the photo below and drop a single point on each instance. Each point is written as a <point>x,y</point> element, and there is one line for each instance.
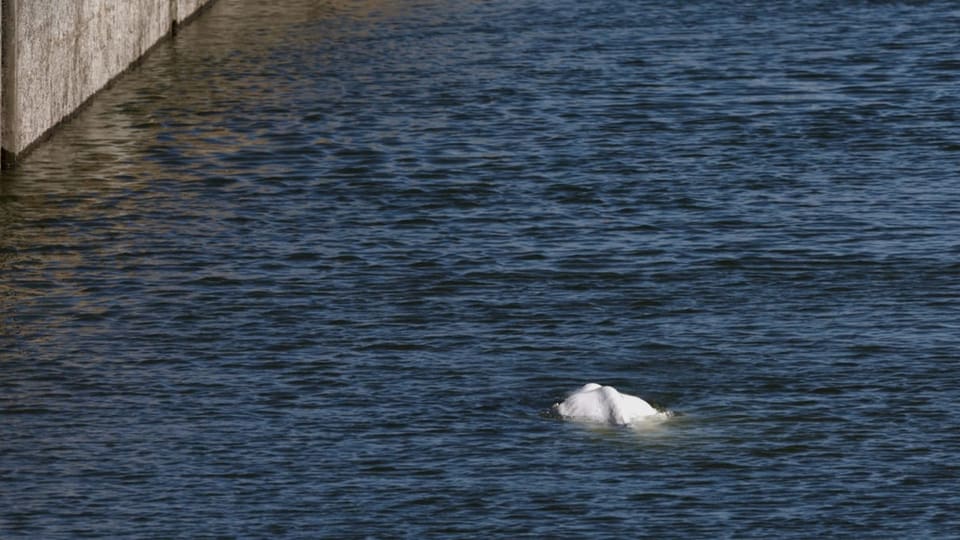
<point>604,404</point>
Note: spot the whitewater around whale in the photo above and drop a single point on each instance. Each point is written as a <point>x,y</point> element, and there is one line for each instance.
<point>604,405</point>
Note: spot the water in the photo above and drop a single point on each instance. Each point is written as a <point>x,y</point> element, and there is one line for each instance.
<point>319,268</point>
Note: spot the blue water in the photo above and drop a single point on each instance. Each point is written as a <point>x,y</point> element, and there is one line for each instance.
<point>320,268</point>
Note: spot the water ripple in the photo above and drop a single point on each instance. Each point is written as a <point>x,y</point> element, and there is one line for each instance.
<point>316,269</point>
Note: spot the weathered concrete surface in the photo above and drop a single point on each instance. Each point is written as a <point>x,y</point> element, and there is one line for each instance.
<point>186,8</point>
<point>59,53</point>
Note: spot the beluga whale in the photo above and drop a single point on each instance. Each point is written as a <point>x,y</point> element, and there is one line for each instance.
<point>604,405</point>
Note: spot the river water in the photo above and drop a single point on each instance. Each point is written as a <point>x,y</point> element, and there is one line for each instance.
<point>320,268</point>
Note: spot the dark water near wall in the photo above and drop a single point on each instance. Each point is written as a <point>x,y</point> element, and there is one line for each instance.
<point>317,269</point>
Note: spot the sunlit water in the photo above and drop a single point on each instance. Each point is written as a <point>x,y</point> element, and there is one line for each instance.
<point>320,269</point>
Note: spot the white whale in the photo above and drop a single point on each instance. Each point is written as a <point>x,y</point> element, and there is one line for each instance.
<point>605,405</point>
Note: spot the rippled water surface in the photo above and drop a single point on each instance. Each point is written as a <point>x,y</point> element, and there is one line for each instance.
<point>319,269</point>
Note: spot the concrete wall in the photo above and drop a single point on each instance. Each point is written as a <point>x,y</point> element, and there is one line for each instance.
<point>185,8</point>
<point>58,53</point>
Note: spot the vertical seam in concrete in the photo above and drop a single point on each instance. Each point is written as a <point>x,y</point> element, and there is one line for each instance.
<point>2,2</point>
<point>77,81</point>
<point>8,18</point>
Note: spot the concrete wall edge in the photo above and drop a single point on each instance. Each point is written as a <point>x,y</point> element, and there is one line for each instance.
<point>11,110</point>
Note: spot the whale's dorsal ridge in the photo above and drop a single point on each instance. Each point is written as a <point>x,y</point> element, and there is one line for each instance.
<point>604,405</point>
